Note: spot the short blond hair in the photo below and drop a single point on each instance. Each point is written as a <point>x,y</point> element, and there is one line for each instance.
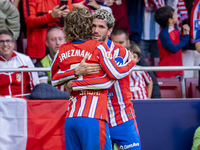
<point>106,16</point>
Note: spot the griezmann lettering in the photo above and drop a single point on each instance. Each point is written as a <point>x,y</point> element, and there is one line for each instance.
<point>74,53</point>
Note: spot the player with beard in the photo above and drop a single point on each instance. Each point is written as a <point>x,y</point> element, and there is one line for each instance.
<point>122,122</point>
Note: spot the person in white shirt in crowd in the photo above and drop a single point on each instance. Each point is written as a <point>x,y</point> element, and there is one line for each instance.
<point>11,81</point>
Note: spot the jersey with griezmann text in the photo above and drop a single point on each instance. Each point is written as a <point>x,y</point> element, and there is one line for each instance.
<point>87,103</point>
<point>120,107</point>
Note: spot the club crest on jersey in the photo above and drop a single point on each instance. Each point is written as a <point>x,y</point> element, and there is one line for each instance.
<point>119,61</point>
<point>137,78</point>
<point>18,77</point>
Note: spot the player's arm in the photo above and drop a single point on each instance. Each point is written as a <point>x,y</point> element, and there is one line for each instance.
<point>109,65</point>
<point>60,77</point>
<point>167,43</point>
<point>121,56</point>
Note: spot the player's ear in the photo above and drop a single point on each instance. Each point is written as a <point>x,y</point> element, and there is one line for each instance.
<point>110,31</point>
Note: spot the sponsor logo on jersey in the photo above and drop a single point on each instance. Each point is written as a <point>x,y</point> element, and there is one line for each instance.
<point>129,146</point>
<point>109,55</point>
<point>110,94</point>
<point>119,61</point>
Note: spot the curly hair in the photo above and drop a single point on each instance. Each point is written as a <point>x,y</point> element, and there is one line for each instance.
<point>78,25</point>
<point>106,16</point>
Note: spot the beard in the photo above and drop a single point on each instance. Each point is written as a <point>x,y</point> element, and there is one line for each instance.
<point>99,37</point>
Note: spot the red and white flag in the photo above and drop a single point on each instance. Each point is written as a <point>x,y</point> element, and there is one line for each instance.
<point>32,124</point>
<point>181,10</point>
<point>151,5</point>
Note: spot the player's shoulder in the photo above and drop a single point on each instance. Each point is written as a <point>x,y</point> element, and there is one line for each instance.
<point>95,42</point>
<point>117,45</point>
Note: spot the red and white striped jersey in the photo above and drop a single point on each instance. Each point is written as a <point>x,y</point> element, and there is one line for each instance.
<point>138,84</point>
<point>120,107</point>
<point>11,81</point>
<point>87,103</point>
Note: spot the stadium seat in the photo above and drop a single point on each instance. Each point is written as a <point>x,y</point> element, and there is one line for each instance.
<point>194,89</point>
<point>188,87</point>
<point>170,87</point>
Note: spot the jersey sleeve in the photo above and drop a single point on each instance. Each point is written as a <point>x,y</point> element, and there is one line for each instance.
<point>58,76</point>
<point>109,65</point>
<point>94,83</point>
<point>31,17</point>
<point>167,43</point>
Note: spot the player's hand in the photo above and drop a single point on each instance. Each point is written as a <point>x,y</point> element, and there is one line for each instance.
<point>94,4</point>
<point>65,12</point>
<point>109,2</point>
<point>186,29</point>
<point>85,68</point>
<point>79,5</point>
<point>130,56</point>
<point>57,11</point>
<point>68,86</point>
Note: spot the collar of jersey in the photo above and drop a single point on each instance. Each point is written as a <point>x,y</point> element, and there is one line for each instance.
<point>3,59</point>
<point>109,43</point>
<point>78,42</point>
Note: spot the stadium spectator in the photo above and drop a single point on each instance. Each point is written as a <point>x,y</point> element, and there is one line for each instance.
<point>141,84</point>
<point>190,56</point>
<point>196,140</point>
<point>150,30</point>
<point>9,18</point>
<point>122,122</point>
<point>170,42</point>
<point>121,36</point>
<point>119,10</point>
<point>39,16</point>
<point>55,38</point>
<point>11,81</point>
<point>87,107</point>
<point>93,5</point>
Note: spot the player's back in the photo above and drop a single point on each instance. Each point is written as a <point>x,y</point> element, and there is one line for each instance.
<point>84,103</point>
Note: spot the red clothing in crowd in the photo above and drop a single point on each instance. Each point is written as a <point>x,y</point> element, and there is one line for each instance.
<point>38,19</point>
<point>11,81</point>
<point>168,58</point>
